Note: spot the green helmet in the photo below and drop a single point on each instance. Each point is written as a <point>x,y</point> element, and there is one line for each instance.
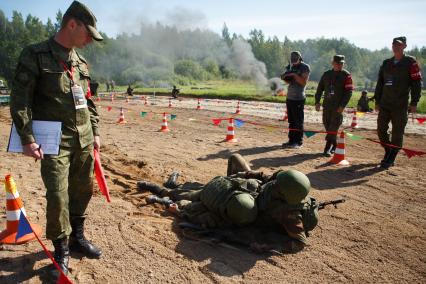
<point>293,186</point>
<point>241,209</point>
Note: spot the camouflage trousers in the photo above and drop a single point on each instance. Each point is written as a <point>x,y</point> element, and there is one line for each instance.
<point>398,118</point>
<point>332,121</point>
<point>68,178</point>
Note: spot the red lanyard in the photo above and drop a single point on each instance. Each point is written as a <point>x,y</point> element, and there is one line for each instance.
<point>69,72</point>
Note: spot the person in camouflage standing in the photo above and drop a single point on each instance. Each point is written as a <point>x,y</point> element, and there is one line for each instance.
<point>245,197</point>
<point>337,86</point>
<point>397,77</point>
<point>51,83</point>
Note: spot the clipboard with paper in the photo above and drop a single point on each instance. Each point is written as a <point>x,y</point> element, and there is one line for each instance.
<point>46,133</point>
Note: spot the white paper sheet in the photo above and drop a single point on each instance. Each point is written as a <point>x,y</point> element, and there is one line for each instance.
<point>46,133</point>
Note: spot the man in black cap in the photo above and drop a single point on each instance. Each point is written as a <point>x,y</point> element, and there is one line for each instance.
<point>337,86</point>
<point>52,83</point>
<point>398,76</point>
<point>296,75</point>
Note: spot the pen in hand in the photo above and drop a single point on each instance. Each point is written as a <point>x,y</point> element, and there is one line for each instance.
<point>38,149</point>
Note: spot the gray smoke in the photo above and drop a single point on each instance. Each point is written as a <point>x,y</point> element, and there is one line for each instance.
<point>150,55</point>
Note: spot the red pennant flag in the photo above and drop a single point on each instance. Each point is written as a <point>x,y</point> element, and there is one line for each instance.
<point>421,119</point>
<point>109,108</point>
<point>100,177</point>
<point>412,153</point>
<point>216,121</point>
<point>63,279</point>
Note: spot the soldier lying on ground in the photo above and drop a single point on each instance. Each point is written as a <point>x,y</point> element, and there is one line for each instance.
<point>246,197</point>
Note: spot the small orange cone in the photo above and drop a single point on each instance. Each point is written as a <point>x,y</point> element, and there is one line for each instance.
<point>170,102</point>
<point>230,135</point>
<point>238,108</point>
<point>127,100</point>
<point>121,119</point>
<point>164,127</point>
<point>14,207</point>
<point>354,124</point>
<point>339,154</point>
<point>199,105</point>
<point>146,101</point>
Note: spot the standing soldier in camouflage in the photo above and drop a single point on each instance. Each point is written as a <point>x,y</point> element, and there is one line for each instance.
<point>397,77</point>
<point>52,83</point>
<point>296,75</point>
<point>337,86</point>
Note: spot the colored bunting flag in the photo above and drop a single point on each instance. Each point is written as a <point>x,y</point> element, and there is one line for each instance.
<point>309,134</point>
<point>359,114</point>
<point>143,113</point>
<point>421,119</point>
<point>353,136</point>
<point>412,153</point>
<point>100,176</point>
<point>109,108</point>
<point>270,129</point>
<point>239,123</point>
<point>216,121</point>
<point>172,116</point>
<point>24,226</point>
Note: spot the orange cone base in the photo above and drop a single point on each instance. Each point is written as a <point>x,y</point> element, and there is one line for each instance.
<point>164,130</point>
<point>339,162</point>
<point>231,140</point>
<point>9,238</point>
<point>122,122</point>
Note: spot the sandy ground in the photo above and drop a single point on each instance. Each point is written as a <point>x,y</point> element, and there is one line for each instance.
<point>377,236</point>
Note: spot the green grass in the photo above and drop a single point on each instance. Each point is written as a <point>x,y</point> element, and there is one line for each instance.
<point>243,90</point>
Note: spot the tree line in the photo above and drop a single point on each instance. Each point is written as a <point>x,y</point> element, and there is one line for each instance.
<point>163,54</point>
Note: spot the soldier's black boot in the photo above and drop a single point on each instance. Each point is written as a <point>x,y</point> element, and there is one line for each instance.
<point>387,150</point>
<point>333,147</point>
<point>172,180</point>
<point>153,188</point>
<point>327,149</point>
<point>78,242</point>
<point>390,161</point>
<point>61,256</point>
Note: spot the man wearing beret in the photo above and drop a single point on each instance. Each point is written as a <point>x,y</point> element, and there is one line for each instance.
<point>52,83</point>
<point>398,76</point>
<point>337,86</point>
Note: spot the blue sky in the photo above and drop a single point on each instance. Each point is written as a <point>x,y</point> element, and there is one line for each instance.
<point>369,24</point>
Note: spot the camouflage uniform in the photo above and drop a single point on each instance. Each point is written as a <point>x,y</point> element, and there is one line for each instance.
<point>206,205</point>
<point>42,91</point>
<point>337,87</point>
<point>395,81</point>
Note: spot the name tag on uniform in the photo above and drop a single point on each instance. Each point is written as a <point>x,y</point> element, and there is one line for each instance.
<point>331,90</point>
<point>79,98</point>
<point>389,81</point>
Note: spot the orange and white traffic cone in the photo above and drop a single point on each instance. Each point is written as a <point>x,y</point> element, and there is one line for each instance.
<point>170,103</point>
<point>121,119</point>
<point>14,207</point>
<point>199,105</point>
<point>339,154</point>
<point>230,135</point>
<point>354,123</point>
<point>238,108</point>
<point>164,127</point>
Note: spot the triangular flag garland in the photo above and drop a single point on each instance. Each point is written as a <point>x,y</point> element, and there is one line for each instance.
<point>309,134</point>
<point>353,136</point>
<point>239,123</point>
<point>412,153</point>
<point>173,116</point>
<point>421,120</point>
<point>143,113</point>
<point>109,108</point>
<point>216,121</point>
<point>24,226</point>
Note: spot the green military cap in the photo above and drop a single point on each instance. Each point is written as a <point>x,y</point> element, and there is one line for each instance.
<point>339,58</point>
<point>400,39</point>
<point>80,12</point>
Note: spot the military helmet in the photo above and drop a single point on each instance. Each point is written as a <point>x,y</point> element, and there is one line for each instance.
<point>293,186</point>
<point>241,209</point>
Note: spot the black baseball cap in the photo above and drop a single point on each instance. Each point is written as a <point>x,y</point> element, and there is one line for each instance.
<point>400,39</point>
<point>339,58</point>
<point>80,12</point>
